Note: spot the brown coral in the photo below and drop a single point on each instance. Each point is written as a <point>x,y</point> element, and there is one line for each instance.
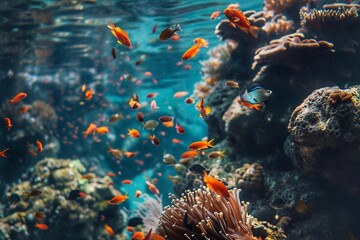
<point>278,26</point>
<point>281,6</point>
<point>339,97</point>
<point>249,176</point>
<point>202,214</point>
<point>291,50</point>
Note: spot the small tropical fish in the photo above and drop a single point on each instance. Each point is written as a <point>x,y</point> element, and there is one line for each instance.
<point>176,178</point>
<point>109,230</point>
<point>83,88</point>
<point>90,130</point>
<point>232,84</point>
<point>88,176</point>
<point>23,109</point>
<point>150,124</point>
<point>154,140</point>
<point>102,130</point>
<point>135,221</point>
<point>256,106</point>
<point>130,229</point>
<point>167,33</point>
<point>204,111</point>
<point>89,94</point>
<point>134,133</point>
<point>169,159</point>
<point>113,52</point>
<point>198,169</point>
<point>180,167</point>
<point>152,188</point>
<point>189,154</point>
<point>126,181</point>
<point>180,94</point>
<point>168,124</point>
<point>39,145</point>
<point>8,123</point>
<point>74,194</point>
<point>39,215</point>
<point>152,95</point>
<point>121,35</point>
<point>148,74</point>
<point>41,226</point>
<point>215,14</point>
<point>138,236</point>
<point>217,186</point>
<point>140,117</point>
<point>110,174</point>
<point>129,154</point>
<point>117,153</point>
<point>140,60</point>
<point>216,154</point>
<point>201,144</point>
<point>138,193</point>
<point>154,106</point>
<point>19,97</point>
<point>238,19</point>
<point>3,152</point>
<point>153,236</point>
<point>166,119</point>
<point>118,199</point>
<point>154,28</point>
<point>254,97</point>
<point>193,50</point>
<point>116,117</point>
<point>179,129</point>
<point>32,193</point>
<point>189,100</point>
<point>134,102</point>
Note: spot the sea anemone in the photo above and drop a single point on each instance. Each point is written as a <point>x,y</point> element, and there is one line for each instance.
<point>202,214</point>
<point>149,210</point>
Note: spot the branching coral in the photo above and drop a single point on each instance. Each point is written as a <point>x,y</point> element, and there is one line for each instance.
<point>211,68</point>
<point>278,26</point>
<point>283,6</point>
<point>202,214</point>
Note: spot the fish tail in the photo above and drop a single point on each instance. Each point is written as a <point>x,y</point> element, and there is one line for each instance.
<point>111,25</point>
<point>178,28</point>
<point>209,143</point>
<point>254,31</point>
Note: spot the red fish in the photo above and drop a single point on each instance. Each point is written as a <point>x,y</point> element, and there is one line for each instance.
<point>201,144</point>
<point>193,50</point>
<point>155,140</point>
<point>215,14</point>
<point>118,199</point>
<point>8,123</point>
<point>3,152</point>
<point>179,129</point>
<point>238,19</point>
<point>19,97</point>
<point>109,230</point>
<point>152,188</point>
<point>39,145</point>
<point>42,226</point>
<point>121,35</point>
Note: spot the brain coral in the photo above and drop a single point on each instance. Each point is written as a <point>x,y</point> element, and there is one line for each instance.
<point>325,135</point>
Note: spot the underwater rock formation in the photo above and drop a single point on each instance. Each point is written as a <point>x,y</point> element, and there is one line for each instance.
<point>249,176</point>
<point>202,214</point>
<point>80,218</point>
<point>324,135</point>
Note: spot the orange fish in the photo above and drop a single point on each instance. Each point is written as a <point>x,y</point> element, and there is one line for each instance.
<point>41,226</point>
<point>39,145</point>
<point>193,50</point>
<point>189,154</point>
<point>3,152</point>
<point>134,133</point>
<point>126,181</point>
<point>111,174</point>
<point>118,199</point>
<point>18,98</point>
<point>24,109</point>
<point>89,176</point>
<point>175,140</point>
<point>8,123</point>
<point>102,130</point>
<point>83,88</point>
<point>155,140</point>
<point>204,111</point>
<point>153,236</point>
<point>201,144</point>
<point>238,19</point>
<point>215,14</point>
<point>91,129</point>
<point>217,186</point>
<point>180,94</point>
<point>89,94</point>
<point>134,102</point>
<point>129,154</point>
<point>121,35</point>
<point>137,236</point>
<point>117,153</point>
<point>256,106</point>
<point>109,230</point>
<point>168,124</point>
<point>153,188</point>
<point>130,229</point>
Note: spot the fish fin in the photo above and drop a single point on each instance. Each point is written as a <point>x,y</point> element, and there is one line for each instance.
<point>119,42</point>
<point>236,20</point>
<point>209,143</point>
<point>244,29</point>
<point>178,28</point>
<point>111,25</point>
<point>232,24</point>
<point>254,31</point>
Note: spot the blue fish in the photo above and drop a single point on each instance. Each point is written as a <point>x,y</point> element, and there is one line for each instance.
<point>256,95</point>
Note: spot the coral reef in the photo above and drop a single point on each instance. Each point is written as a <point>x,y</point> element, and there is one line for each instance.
<point>249,176</point>
<point>149,210</point>
<point>324,135</point>
<point>79,218</point>
<point>195,216</point>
